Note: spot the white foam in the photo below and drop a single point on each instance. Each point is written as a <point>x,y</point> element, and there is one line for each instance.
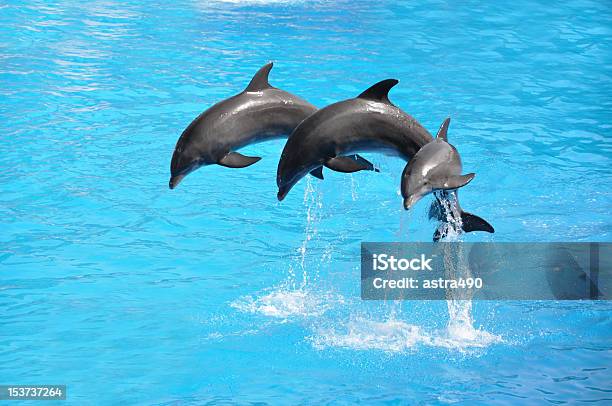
<point>285,303</point>
<point>362,334</point>
<point>398,336</point>
<point>465,337</point>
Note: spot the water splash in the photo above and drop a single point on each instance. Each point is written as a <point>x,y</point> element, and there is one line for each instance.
<point>313,202</point>
<point>451,227</point>
<point>460,329</point>
<point>395,336</point>
<point>354,187</point>
<point>364,334</point>
<point>297,296</point>
<point>286,303</point>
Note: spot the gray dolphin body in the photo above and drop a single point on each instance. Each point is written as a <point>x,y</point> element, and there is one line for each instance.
<point>371,122</point>
<point>259,113</point>
<point>436,168</point>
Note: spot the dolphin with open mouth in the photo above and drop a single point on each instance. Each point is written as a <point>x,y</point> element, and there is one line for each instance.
<point>259,113</point>
<point>370,122</point>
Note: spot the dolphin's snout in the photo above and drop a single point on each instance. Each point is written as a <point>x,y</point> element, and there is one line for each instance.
<point>175,180</point>
<point>410,201</point>
<point>282,192</point>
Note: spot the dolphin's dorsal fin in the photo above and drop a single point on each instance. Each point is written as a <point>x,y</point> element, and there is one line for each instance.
<point>260,80</point>
<point>443,130</point>
<point>380,91</point>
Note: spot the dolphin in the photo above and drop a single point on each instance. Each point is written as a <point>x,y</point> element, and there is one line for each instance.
<point>436,168</point>
<point>259,113</point>
<point>369,122</point>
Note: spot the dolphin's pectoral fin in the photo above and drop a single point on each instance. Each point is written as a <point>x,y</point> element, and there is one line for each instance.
<point>237,160</point>
<point>455,182</point>
<point>349,164</point>
<point>471,222</point>
<point>359,158</point>
<point>317,173</point>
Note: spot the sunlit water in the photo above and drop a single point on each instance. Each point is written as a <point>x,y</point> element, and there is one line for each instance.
<point>214,292</point>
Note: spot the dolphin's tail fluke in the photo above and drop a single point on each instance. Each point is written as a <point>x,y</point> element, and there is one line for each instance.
<point>446,211</point>
<point>471,222</point>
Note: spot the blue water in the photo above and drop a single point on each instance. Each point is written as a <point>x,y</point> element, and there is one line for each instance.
<point>130,293</point>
